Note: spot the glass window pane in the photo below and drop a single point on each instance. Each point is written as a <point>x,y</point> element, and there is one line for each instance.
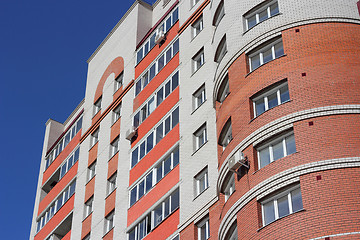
<point>259,106</point>
<point>167,89</point>
<point>279,50</point>
<point>133,196</point>
<point>159,96</point>
<point>139,55</point>
<point>142,149</point>
<point>175,47</point>
<point>296,200</point>
<point>142,229</point>
<point>174,200</point>
<point>278,151</point>
<point>167,165</point>
<point>134,157</point>
<point>161,62</point>
<point>159,133</point>
<point>79,125</point>
<point>146,48</point>
<point>132,235</point>
<point>152,72</point>
<point>272,100</point>
<point>63,170</point>
<point>167,125</point>
<point>137,120</point>
<point>151,105</point>
<point>168,24</point>
<point>176,158</point>
<point>152,41</point>
<point>284,94</point>
<point>283,206</point>
<point>159,172</point>
<point>255,62</point>
<point>149,178</point>
<point>269,212</point>
<point>267,56</point>
<point>138,87</point>
<point>167,207</point>
<point>175,117</point>
<point>70,162</point>
<point>274,9</point>
<point>290,145</point>
<point>168,55</point>
<point>76,155</point>
<point>251,21</point>
<point>264,157</point>
<point>263,15</point>
<point>175,16</point>
<point>158,215</point>
<point>175,80</point>
<point>141,188</point>
<point>149,142</point>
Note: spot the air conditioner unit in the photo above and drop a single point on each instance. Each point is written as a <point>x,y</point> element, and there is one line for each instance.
<point>237,160</point>
<point>160,37</point>
<point>130,133</point>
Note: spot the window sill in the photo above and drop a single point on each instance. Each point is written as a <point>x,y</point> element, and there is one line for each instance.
<point>284,55</point>
<point>301,210</point>
<point>260,23</point>
<point>87,216</point>
<point>201,193</point>
<point>90,179</point>
<point>108,231</point>
<point>199,148</point>
<point>115,121</point>
<point>197,107</point>
<point>93,145</point>
<point>253,119</point>
<point>197,70</point>
<point>110,193</point>
<point>274,161</point>
<point>113,155</point>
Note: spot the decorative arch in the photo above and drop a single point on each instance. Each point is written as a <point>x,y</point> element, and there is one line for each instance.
<point>116,67</point>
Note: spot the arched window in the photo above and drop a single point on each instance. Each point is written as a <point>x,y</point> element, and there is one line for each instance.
<point>232,233</point>
<point>219,13</point>
<point>223,90</point>
<point>226,134</point>
<point>221,50</point>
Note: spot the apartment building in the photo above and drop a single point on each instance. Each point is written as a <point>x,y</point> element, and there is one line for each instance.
<point>215,119</point>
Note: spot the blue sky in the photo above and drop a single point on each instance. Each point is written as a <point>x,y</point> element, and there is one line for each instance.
<point>44,48</point>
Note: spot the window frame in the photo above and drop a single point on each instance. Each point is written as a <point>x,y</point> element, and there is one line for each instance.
<point>269,91</point>
<point>94,137</point>
<point>273,141</point>
<point>230,187</point>
<point>221,50</point>
<point>287,192</point>
<point>219,14</point>
<point>111,184</point>
<point>88,207</point>
<point>259,9</point>
<point>91,171</point>
<point>198,60</point>
<point>202,176</point>
<point>114,146</point>
<point>109,222</point>
<point>199,97</point>
<point>204,223</point>
<point>197,26</point>
<point>97,106</point>
<point>270,45</point>
<point>201,131</point>
<point>224,90</point>
<point>118,82</point>
<point>226,134</point>
<point>116,113</point>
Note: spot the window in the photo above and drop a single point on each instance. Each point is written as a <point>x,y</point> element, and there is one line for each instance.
<point>229,186</point>
<point>57,149</point>
<point>97,106</point>
<point>116,114</point>
<point>150,43</point>
<point>194,2</point>
<point>200,137</point>
<point>282,204</point>
<point>261,13</point>
<point>201,182</point>
<point>119,81</point>
<point>203,229</point>
<point>232,234</point>
<point>221,50</point>
<point>219,14</point>
<point>155,100</point>
<point>94,137</point>
<point>223,90</point>
<point>154,136</point>
<point>198,60</point>
<point>74,157</point>
<point>276,149</point>
<point>111,184</point>
<point>155,217</point>
<point>156,67</point>
<point>266,53</point>
<point>197,26</point>
<point>114,147</point>
<point>154,176</point>
<point>109,222</point>
<point>55,207</point>
<point>199,97</point>
<point>226,134</point>
<point>274,96</point>
<point>88,207</point>
<point>91,171</point>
